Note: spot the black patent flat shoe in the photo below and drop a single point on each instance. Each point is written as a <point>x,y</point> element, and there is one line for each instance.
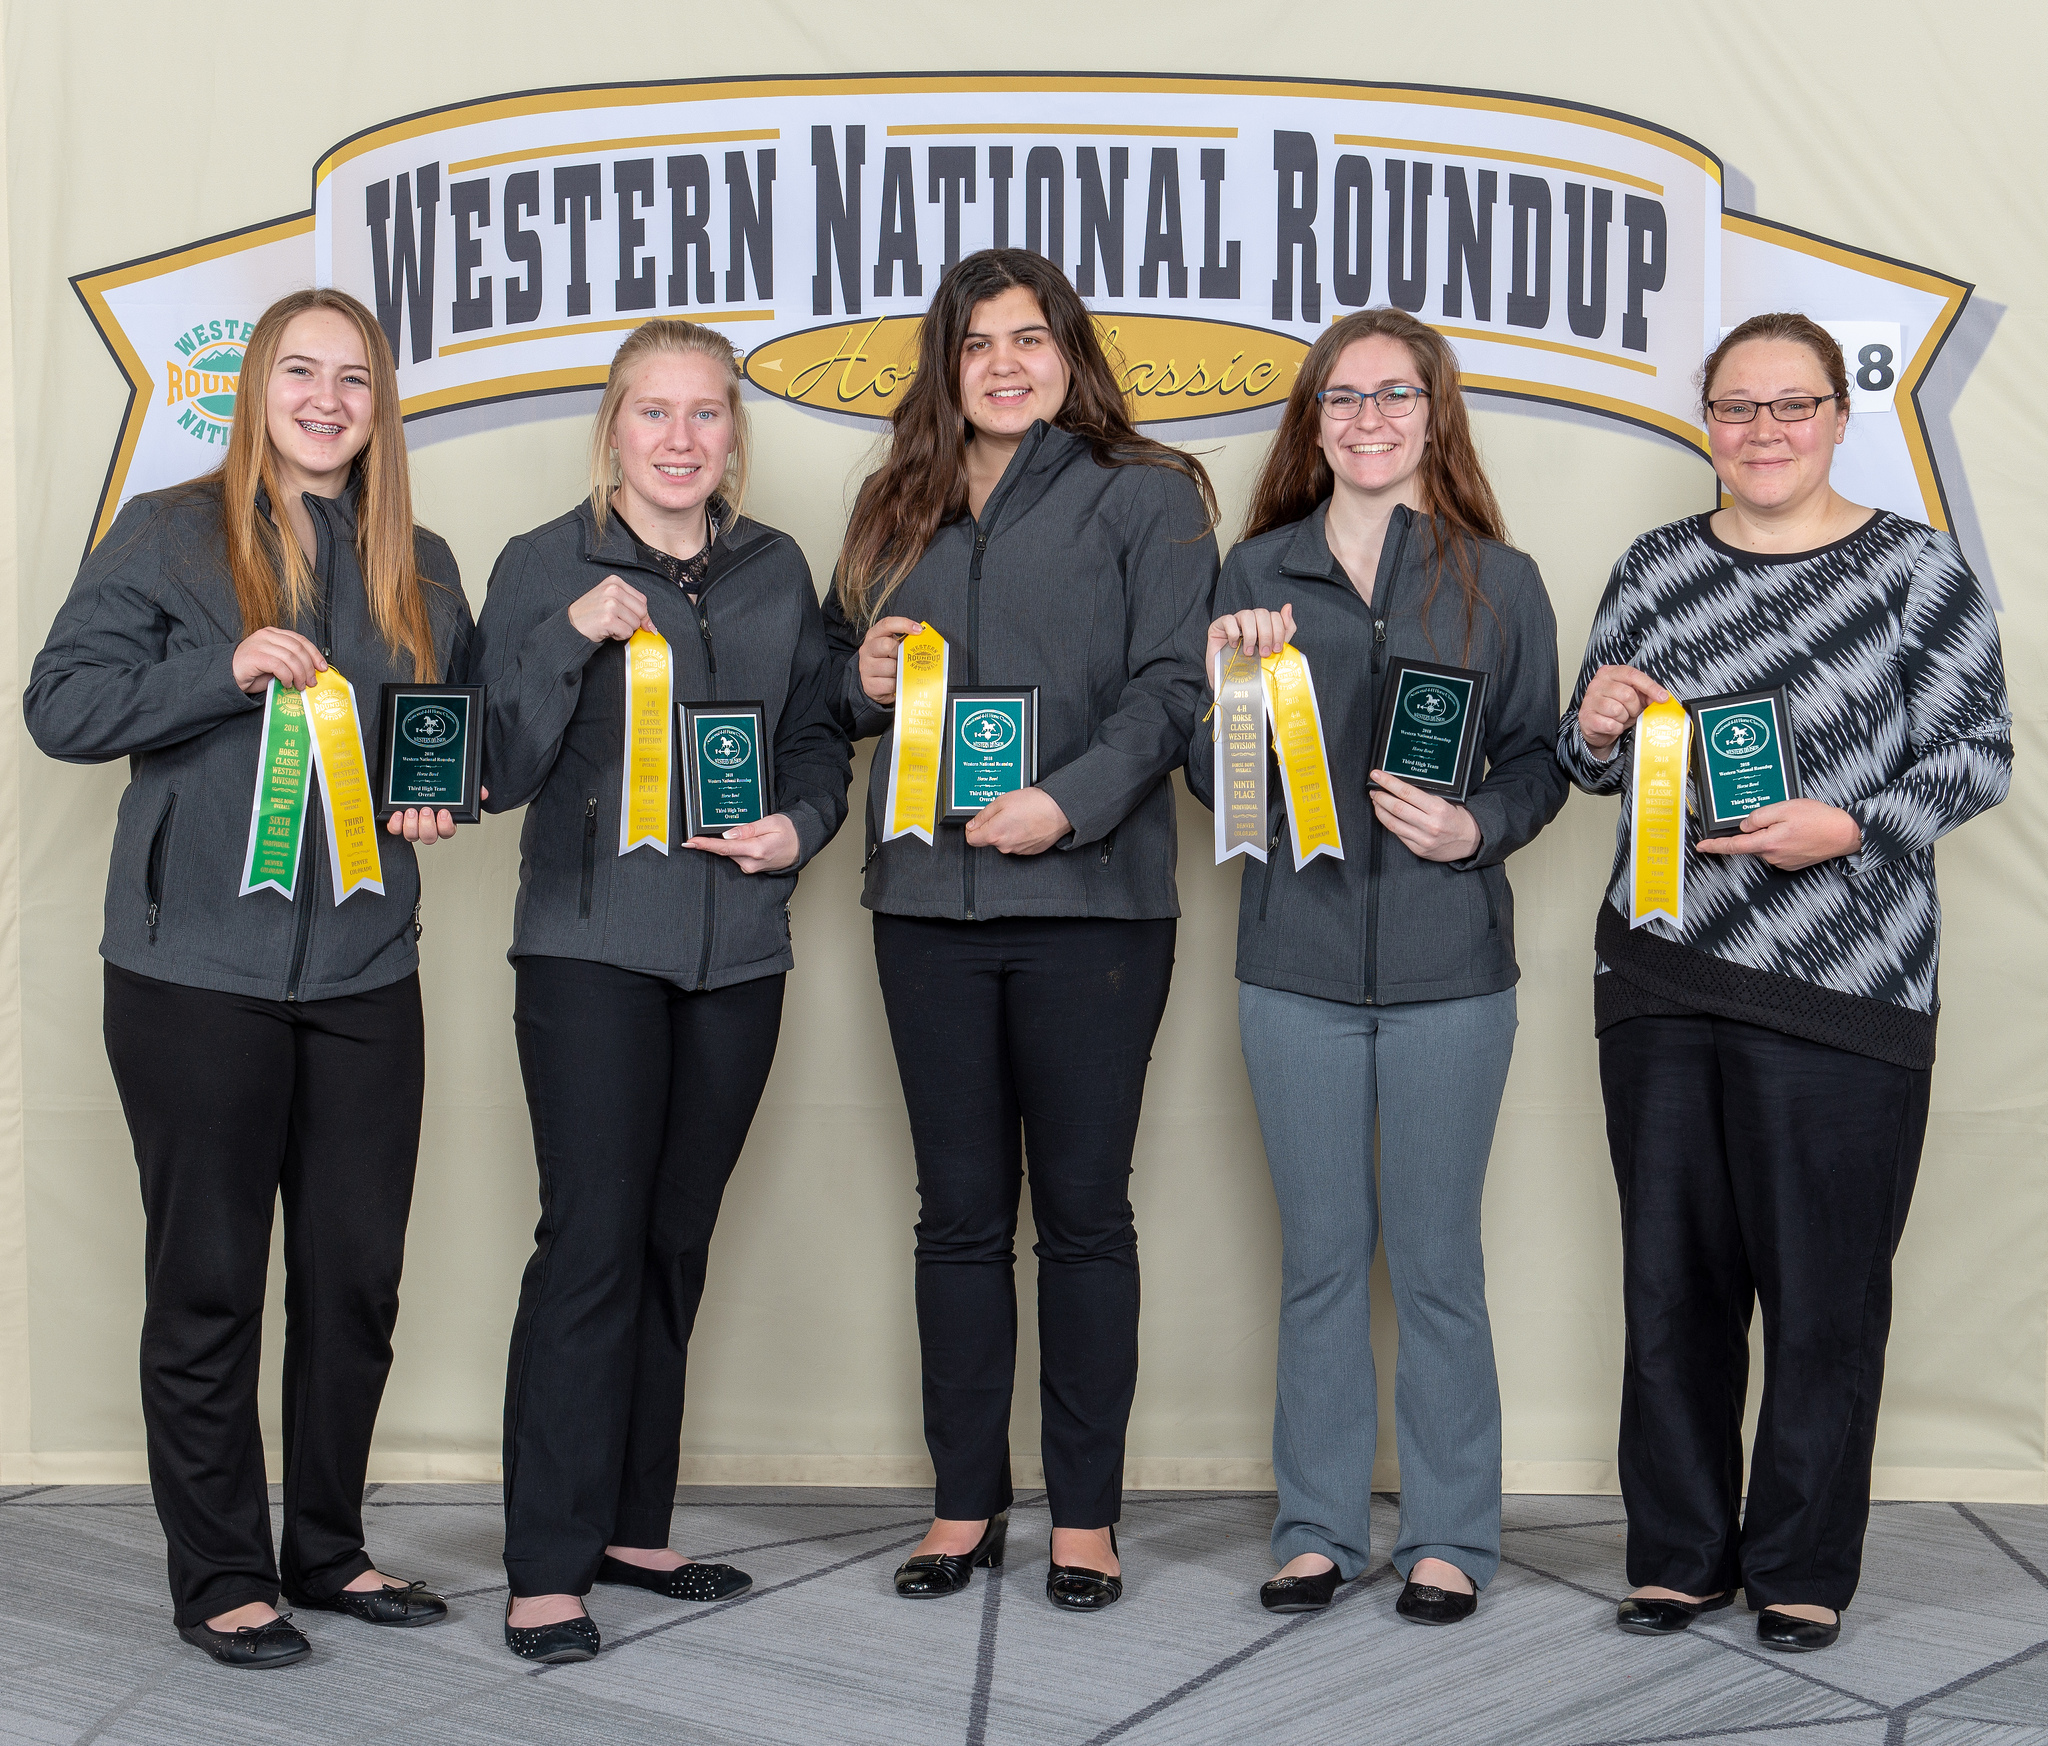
<point>1662,1618</point>
<point>1081,1590</point>
<point>933,1574</point>
<point>277,1644</point>
<point>566,1640</point>
<point>396,1603</point>
<point>689,1582</point>
<point>1301,1594</point>
<point>1422,1604</point>
<point>1776,1630</point>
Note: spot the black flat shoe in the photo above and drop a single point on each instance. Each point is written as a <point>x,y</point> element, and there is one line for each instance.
<point>1081,1590</point>
<point>1301,1594</point>
<point>396,1603</point>
<point>1420,1604</point>
<point>938,1573</point>
<point>1776,1630</point>
<point>277,1644</point>
<point>690,1582</point>
<point>1661,1618</point>
<point>566,1640</point>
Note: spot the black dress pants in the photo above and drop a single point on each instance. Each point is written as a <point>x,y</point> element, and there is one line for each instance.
<point>641,1094</point>
<point>1754,1167</point>
<point>1048,1023</point>
<point>233,1101</point>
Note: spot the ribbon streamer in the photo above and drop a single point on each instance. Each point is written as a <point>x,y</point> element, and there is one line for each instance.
<point>1240,754</point>
<point>1656,879</point>
<point>912,806</point>
<point>352,855</point>
<point>277,816</point>
<point>644,785</point>
<point>1304,764</point>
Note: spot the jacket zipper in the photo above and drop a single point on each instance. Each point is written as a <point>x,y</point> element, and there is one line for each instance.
<point>710,873</point>
<point>589,858</point>
<point>1381,609</point>
<point>1266,886</point>
<point>984,525</point>
<point>306,897</point>
<point>159,852</point>
<point>1108,848</point>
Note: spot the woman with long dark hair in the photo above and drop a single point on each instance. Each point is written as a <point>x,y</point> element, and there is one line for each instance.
<point>650,961</point>
<point>1025,956</point>
<point>1377,989</point>
<point>1765,1055</point>
<point>265,1033</point>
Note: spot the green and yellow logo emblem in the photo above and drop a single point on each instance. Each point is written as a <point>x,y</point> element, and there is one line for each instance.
<point>200,382</point>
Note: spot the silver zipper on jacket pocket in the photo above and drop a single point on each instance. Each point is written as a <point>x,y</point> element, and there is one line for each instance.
<point>1266,885</point>
<point>159,852</point>
<point>1108,848</point>
<point>589,858</point>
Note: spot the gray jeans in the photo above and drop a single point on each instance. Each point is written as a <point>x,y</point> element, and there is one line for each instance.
<point>1430,1073</point>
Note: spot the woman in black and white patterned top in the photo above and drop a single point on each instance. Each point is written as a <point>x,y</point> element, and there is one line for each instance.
<point>1765,1065</point>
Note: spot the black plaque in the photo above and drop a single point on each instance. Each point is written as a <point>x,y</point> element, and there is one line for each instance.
<point>1429,726</point>
<point>991,747</point>
<point>1743,757</point>
<point>728,775</point>
<point>430,750</point>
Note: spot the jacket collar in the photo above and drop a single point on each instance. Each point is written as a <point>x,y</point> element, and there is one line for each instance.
<point>616,544</point>
<point>340,512</point>
<point>1308,552</point>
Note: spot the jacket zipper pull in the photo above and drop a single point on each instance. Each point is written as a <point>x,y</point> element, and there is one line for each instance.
<point>152,918</point>
<point>1379,630</point>
<point>704,626</point>
<point>590,817</point>
<point>417,929</point>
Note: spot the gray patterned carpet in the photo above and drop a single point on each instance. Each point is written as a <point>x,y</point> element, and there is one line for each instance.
<point>1947,1644</point>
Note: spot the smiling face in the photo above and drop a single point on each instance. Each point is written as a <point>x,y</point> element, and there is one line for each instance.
<point>1011,372</point>
<point>673,435</point>
<point>1373,453</point>
<point>1768,466</point>
<point>316,404</point>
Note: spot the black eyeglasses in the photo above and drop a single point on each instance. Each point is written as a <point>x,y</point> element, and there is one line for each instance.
<point>1795,410</point>
<point>1395,402</point>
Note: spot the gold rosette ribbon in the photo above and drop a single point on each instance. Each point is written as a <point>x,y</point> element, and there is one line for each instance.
<point>352,855</point>
<point>916,746</point>
<point>644,787</point>
<point>1304,765</point>
<point>1656,877</point>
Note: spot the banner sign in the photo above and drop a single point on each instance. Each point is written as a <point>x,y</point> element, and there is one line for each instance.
<point>1569,254</point>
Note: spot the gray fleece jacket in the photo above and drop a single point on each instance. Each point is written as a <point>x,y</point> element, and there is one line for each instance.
<point>556,706</point>
<point>1383,925</point>
<point>1091,583</point>
<point>140,665</point>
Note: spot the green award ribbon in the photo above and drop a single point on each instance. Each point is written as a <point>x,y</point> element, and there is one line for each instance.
<point>277,816</point>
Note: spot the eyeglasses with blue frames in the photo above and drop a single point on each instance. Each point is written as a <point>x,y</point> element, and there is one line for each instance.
<point>1395,402</point>
<point>1794,409</point>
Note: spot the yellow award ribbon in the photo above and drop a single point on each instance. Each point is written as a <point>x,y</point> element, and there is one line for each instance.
<point>644,788</point>
<point>352,855</point>
<point>912,808</point>
<point>1656,879</point>
<point>1304,765</point>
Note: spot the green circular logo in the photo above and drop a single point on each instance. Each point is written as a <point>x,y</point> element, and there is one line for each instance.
<point>728,747</point>
<point>203,376</point>
<point>1742,736</point>
<point>988,730</point>
<point>1432,705</point>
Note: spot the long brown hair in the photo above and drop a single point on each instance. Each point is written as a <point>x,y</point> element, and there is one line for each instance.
<point>923,482</point>
<point>274,584</point>
<point>672,336</point>
<point>1456,495</point>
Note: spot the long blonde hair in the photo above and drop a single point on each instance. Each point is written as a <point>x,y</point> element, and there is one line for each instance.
<point>274,584</point>
<point>674,337</point>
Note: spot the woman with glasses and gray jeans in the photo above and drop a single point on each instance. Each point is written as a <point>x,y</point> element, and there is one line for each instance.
<point>1377,990</point>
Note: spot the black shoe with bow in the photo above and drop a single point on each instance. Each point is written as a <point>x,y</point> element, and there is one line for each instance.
<point>395,1603</point>
<point>1301,1594</point>
<point>1081,1590</point>
<point>276,1644</point>
<point>1422,1603</point>
<point>689,1582</point>
<point>932,1574</point>
<point>565,1640</point>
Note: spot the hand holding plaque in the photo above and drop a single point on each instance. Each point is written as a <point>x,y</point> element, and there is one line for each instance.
<point>991,747</point>
<point>727,780</point>
<point>1429,726</point>
<point>1742,757</point>
<point>430,751</point>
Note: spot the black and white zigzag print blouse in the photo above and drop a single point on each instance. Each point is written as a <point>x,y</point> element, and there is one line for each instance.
<point>1889,656</point>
